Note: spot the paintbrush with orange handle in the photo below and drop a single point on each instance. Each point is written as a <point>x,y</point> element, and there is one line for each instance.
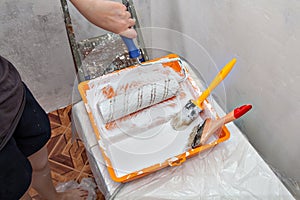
<point>202,133</point>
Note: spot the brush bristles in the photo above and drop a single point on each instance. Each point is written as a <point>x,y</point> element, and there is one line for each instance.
<point>180,121</point>
<point>195,136</point>
<point>198,136</point>
<point>186,116</point>
<point>192,137</point>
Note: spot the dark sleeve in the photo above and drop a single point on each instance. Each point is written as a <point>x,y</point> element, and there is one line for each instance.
<point>11,100</point>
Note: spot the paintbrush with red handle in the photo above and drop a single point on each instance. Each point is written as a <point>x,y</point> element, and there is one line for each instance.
<point>202,133</point>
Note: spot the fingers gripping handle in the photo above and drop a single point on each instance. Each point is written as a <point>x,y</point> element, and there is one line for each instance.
<point>134,52</point>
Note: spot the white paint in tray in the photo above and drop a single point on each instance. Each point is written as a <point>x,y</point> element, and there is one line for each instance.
<point>145,138</point>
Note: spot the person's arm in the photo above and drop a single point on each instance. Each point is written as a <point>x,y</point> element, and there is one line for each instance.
<point>109,15</point>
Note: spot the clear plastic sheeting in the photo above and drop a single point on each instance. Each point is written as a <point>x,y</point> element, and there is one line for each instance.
<point>103,55</point>
<point>86,184</point>
<point>231,170</point>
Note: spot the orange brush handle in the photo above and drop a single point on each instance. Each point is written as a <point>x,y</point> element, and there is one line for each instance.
<point>217,80</point>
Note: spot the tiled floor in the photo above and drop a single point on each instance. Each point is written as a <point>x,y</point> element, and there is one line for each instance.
<point>67,158</point>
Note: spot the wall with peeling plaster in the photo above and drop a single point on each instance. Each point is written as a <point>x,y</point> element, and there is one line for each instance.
<point>264,36</point>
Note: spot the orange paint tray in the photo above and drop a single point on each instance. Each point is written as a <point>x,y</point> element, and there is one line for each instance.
<point>131,152</point>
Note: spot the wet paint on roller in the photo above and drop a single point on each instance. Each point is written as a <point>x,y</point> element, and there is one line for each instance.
<point>138,98</point>
<point>128,79</point>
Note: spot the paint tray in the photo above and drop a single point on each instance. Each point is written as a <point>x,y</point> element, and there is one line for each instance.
<point>144,142</point>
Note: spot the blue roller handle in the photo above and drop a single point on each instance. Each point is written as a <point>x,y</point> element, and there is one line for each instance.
<point>134,52</point>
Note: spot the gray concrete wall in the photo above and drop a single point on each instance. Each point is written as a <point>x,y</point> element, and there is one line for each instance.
<point>264,36</point>
<point>34,39</point>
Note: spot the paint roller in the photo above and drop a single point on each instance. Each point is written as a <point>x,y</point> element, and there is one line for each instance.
<point>136,99</point>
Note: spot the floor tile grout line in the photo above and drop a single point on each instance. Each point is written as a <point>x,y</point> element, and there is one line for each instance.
<point>50,154</point>
<point>81,172</point>
<point>63,126</point>
<point>66,166</point>
<point>57,143</point>
<point>53,149</point>
<point>60,125</point>
<point>62,114</point>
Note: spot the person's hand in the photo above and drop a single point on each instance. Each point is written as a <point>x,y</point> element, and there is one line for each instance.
<point>109,15</point>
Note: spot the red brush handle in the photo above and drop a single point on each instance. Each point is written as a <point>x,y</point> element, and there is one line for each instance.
<point>238,112</point>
